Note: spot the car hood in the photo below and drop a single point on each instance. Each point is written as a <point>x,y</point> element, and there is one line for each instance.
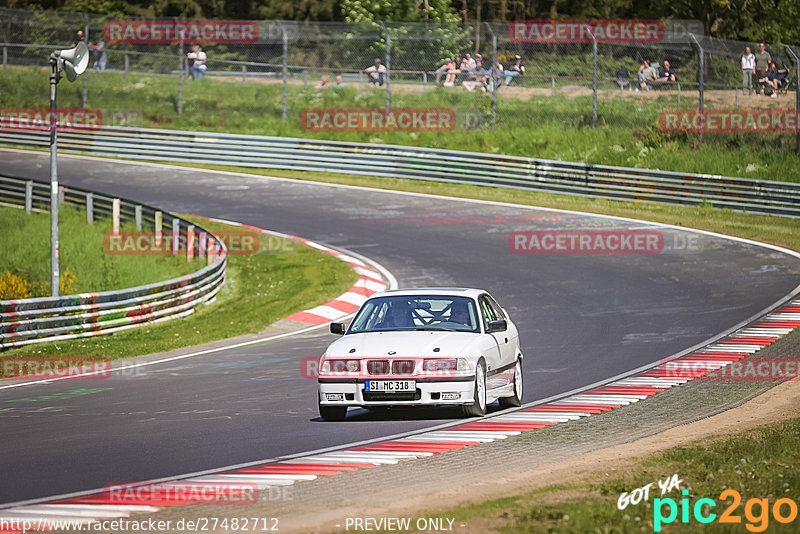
<point>405,344</point>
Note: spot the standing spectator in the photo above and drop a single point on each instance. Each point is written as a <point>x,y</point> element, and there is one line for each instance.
<point>646,74</point>
<point>517,69</point>
<point>197,62</point>
<point>78,38</point>
<point>339,82</point>
<point>376,73</point>
<point>762,61</point>
<point>99,47</point>
<point>667,74</point>
<point>748,70</point>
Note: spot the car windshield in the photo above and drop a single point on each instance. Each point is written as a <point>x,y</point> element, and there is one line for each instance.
<point>423,312</point>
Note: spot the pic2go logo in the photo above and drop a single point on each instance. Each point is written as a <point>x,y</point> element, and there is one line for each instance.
<point>758,521</point>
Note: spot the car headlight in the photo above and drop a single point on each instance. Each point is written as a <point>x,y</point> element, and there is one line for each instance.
<point>339,366</point>
<point>445,366</point>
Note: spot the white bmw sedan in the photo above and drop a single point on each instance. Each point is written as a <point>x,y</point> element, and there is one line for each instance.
<point>429,347</point>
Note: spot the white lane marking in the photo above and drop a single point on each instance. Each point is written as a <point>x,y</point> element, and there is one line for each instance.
<point>326,312</point>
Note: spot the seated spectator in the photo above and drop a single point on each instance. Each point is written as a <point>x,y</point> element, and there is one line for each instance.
<point>646,74</point>
<point>769,81</point>
<point>463,71</point>
<point>471,62</point>
<point>667,74</point>
<point>446,70</point>
<point>376,73</point>
<point>197,62</point>
<point>783,77</point>
<point>339,82</point>
<point>324,83</point>
<point>516,69</point>
<point>477,78</point>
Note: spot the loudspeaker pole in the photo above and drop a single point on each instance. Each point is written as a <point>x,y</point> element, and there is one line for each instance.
<point>54,271</point>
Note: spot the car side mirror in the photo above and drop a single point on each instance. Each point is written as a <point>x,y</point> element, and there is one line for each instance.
<point>337,328</point>
<point>500,325</point>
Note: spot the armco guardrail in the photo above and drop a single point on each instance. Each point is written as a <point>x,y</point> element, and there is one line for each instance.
<point>38,320</point>
<point>416,163</point>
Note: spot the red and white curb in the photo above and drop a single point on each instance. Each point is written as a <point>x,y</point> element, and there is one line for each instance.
<point>723,352</point>
<point>370,281</point>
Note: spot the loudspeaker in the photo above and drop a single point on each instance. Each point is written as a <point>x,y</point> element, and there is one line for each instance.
<point>73,61</point>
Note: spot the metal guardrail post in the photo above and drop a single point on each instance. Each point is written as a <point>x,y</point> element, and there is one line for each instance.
<point>553,82</point>
<point>127,62</point>
<point>89,208</point>
<point>137,216</point>
<point>796,94</point>
<point>176,234</point>
<point>5,57</point>
<point>700,77</point>
<point>244,74</point>
<point>497,79</point>
<point>388,66</point>
<point>285,67</point>
<point>28,196</point>
<point>115,208</point>
<point>158,220</point>
<point>189,242</point>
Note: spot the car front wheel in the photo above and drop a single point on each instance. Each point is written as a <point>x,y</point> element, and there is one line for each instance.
<point>332,413</point>
<point>516,398</point>
<point>478,406</point>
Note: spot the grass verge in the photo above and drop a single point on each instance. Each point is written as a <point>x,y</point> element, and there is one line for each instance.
<point>533,125</point>
<point>759,464</point>
<point>284,277</point>
<point>26,253</point>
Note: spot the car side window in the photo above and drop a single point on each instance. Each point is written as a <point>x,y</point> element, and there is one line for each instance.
<point>487,312</point>
<point>498,311</point>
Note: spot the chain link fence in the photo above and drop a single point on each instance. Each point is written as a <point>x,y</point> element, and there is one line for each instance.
<point>287,78</point>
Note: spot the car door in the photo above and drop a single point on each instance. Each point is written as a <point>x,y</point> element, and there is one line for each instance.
<point>508,340</point>
<point>491,345</point>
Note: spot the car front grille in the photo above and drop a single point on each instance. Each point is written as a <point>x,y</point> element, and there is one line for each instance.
<point>381,396</point>
<point>397,367</point>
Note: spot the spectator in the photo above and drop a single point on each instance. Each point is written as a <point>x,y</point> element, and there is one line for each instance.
<point>376,73</point>
<point>463,72</point>
<point>99,47</point>
<point>646,74</point>
<point>324,83</point>
<point>78,38</point>
<point>444,70</point>
<point>477,78</point>
<point>783,77</point>
<point>770,80</point>
<point>197,62</point>
<point>762,61</point>
<point>748,70</point>
<point>517,69</point>
<point>339,82</point>
<point>472,62</point>
<point>667,74</point>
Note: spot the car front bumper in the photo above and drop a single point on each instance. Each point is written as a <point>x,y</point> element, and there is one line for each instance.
<point>428,393</point>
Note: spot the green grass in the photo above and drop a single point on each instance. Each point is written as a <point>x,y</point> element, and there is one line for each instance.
<point>759,463</point>
<point>545,127</point>
<point>26,252</point>
<point>284,277</point>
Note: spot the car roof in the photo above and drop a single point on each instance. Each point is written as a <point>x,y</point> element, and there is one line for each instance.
<point>440,291</point>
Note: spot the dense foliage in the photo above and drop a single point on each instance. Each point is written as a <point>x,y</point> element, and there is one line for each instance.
<point>746,20</point>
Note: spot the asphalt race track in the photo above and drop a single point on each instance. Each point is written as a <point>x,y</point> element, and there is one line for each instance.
<point>583,318</point>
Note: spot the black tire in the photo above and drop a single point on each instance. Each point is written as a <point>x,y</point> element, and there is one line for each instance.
<point>478,406</point>
<point>516,399</point>
<point>332,413</point>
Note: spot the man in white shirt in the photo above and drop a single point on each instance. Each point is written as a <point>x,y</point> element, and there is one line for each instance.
<point>748,70</point>
<point>376,73</point>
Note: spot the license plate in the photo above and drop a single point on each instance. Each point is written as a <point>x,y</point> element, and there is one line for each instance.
<point>390,386</point>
